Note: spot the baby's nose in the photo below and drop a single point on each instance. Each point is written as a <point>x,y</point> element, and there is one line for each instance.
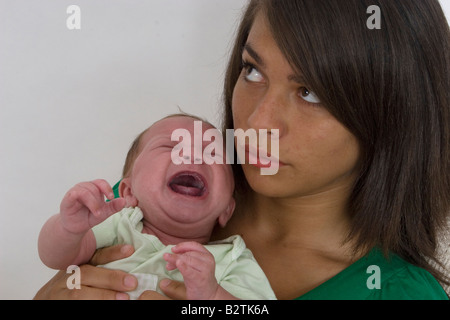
<point>195,155</point>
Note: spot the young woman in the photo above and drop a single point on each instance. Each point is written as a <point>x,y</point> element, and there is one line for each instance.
<point>363,116</point>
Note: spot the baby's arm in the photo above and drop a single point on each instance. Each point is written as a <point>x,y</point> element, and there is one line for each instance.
<point>197,265</point>
<point>66,238</point>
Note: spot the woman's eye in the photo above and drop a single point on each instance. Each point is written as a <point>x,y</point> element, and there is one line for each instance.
<point>309,96</point>
<point>252,74</point>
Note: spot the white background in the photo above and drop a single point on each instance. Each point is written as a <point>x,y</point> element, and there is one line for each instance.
<point>71,102</point>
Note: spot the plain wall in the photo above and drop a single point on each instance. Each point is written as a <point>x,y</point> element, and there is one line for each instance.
<point>71,101</point>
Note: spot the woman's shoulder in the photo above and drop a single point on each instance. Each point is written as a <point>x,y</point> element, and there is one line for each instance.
<point>403,280</point>
<point>376,277</point>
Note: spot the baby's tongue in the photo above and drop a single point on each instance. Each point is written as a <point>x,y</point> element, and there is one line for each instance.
<point>188,184</point>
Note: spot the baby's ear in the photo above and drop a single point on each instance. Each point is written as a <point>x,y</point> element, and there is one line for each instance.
<point>126,192</point>
<point>226,215</point>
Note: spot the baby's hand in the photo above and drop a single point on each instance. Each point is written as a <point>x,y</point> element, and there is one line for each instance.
<point>84,206</point>
<point>197,265</point>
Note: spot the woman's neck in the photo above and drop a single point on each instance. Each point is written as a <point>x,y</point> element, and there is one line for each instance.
<point>320,221</point>
<point>310,220</point>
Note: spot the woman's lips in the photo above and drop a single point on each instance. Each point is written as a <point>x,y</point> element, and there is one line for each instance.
<point>261,158</point>
<point>187,183</point>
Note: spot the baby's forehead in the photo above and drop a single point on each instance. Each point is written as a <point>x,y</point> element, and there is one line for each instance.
<point>183,121</point>
<point>166,126</point>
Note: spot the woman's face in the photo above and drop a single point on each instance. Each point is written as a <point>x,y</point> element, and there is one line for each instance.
<point>317,153</point>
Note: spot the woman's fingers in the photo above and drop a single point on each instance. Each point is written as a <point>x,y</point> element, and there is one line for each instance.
<point>57,289</point>
<point>91,293</point>
<point>152,295</point>
<point>115,280</point>
<point>173,289</point>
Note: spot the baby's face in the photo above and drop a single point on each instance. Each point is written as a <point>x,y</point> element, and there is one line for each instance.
<point>188,193</point>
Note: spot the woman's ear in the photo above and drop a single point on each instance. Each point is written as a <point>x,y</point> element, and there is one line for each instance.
<point>226,215</point>
<point>126,192</point>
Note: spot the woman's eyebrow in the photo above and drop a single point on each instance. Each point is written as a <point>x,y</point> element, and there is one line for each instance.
<point>248,47</point>
<point>259,60</point>
<point>296,78</point>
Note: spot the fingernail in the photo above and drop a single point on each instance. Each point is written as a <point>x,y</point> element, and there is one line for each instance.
<point>164,283</point>
<point>122,296</point>
<point>130,282</point>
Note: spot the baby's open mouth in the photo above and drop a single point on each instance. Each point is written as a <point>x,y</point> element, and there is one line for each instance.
<point>189,184</point>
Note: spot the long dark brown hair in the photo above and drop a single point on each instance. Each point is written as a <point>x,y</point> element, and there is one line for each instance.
<point>390,87</point>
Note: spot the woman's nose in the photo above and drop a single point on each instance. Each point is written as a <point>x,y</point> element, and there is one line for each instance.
<point>269,113</point>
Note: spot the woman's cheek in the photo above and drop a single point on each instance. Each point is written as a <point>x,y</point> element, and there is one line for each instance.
<point>241,108</point>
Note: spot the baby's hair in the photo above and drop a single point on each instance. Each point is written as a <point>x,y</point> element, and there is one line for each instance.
<point>135,149</point>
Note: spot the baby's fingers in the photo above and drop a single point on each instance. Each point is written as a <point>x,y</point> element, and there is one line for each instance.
<point>104,188</point>
<point>91,196</point>
<point>195,260</point>
<point>94,197</point>
<point>82,195</point>
<point>175,261</point>
<point>171,260</point>
<point>189,246</point>
<point>108,209</point>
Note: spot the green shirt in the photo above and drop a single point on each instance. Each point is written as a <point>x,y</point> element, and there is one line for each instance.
<point>376,278</point>
<point>390,279</point>
<point>236,269</point>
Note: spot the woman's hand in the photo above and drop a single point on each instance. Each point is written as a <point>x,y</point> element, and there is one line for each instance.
<point>96,283</point>
<point>172,289</point>
<point>106,284</point>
